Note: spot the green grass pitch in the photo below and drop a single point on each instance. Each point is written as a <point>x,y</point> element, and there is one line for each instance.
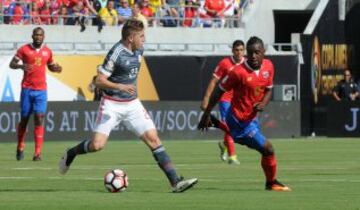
<point>323,174</point>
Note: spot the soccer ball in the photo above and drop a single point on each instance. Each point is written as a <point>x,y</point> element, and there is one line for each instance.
<point>116,181</point>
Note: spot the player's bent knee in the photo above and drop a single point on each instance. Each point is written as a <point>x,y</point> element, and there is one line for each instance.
<point>151,139</point>
<point>98,142</point>
<point>97,146</point>
<point>268,149</point>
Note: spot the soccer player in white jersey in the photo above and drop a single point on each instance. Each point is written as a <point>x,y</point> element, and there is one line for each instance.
<point>117,76</point>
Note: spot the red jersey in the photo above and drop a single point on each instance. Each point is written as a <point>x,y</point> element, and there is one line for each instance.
<point>223,69</point>
<point>18,14</point>
<point>45,16</point>
<point>146,11</point>
<point>35,77</point>
<point>217,5</point>
<point>249,88</point>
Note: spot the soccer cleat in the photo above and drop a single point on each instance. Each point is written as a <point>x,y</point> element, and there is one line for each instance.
<point>233,160</point>
<point>223,151</point>
<point>37,158</point>
<point>63,166</point>
<point>276,186</point>
<point>184,185</point>
<point>19,155</point>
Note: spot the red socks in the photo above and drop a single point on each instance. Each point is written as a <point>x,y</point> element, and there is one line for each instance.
<point>21,138</point>
<point>224,127</point>
<point>268,164</point>
<point>39,138</point>
<point>228,140</point>
<point>229,143</point>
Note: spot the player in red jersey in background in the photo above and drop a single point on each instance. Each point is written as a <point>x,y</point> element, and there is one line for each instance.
<point>227,147</point>
<point>251,82</point>
<point>34,58</point>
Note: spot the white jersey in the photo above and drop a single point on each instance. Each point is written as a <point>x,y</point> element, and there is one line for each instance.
<point>230,6</point>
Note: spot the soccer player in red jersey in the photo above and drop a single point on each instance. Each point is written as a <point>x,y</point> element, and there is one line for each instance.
<point>251,82</point>
<point>227,148</point>
<point>34,58</point>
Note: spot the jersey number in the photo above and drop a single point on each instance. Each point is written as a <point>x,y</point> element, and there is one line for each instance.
<point>38,61</point>
<point>133,73</point>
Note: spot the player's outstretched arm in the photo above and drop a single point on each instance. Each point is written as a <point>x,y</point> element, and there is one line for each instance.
<point>208,92</point>
<point>205,121</point>
<point>15,64</point>
<point>54,67</point>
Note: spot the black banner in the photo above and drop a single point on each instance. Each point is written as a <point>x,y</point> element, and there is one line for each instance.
<point>327,52</point>
<point>343,119</point>
<point>173,120</point>
<point>185,78</point>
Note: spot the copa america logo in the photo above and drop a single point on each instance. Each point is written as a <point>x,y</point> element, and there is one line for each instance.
<point>316,69</point>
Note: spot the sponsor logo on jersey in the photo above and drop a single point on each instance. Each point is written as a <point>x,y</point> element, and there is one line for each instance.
<point>265,74</point>
<point>44,53</point>
<point>225,79</point>
<point>110,65</point>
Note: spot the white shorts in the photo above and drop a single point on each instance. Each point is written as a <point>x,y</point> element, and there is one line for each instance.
<point>131,113</point>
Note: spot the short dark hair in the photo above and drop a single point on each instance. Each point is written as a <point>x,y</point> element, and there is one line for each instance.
<point>237,43</point>
<point>255,40</point>
<point>131,25</point>
<point>37,29</point>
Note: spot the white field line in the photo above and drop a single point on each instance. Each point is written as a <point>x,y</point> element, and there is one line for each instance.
<point>182,166</point>
<point>161,179</point>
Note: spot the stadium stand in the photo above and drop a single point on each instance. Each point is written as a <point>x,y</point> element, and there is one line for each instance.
<point>93,12</point>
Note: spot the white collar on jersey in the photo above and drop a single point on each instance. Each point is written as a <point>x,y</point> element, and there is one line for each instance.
<point>37,49</point>
<point>249,67</point>
<point>126,49</point>
<point>237,63</point>
<point>254,70</point>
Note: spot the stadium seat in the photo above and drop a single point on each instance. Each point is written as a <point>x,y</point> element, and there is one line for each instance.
<point>108,46</point>
<point>61,46</point>
<point>222,47</point>
<point>172,47</point>
<point>150,47</point>
<point>88,46</point>
<point>200,47</point>
<point>7,46</point>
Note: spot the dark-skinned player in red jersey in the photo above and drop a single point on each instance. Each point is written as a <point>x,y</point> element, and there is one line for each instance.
<point>251,82</point>
<point>33,59</point>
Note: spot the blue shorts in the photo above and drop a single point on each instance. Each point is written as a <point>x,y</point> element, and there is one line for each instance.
<point>33,101</point>
<point>246,133</point>
<point>224,108</point>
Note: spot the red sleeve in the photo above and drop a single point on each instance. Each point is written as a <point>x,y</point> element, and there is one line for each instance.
<point>20,53</point>
<point>219,71</point>
<point>206,5</point>
<point>229,82</point>
<point>271,75</point>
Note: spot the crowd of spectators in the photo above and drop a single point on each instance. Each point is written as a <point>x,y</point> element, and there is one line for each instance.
<point>167,13</point>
